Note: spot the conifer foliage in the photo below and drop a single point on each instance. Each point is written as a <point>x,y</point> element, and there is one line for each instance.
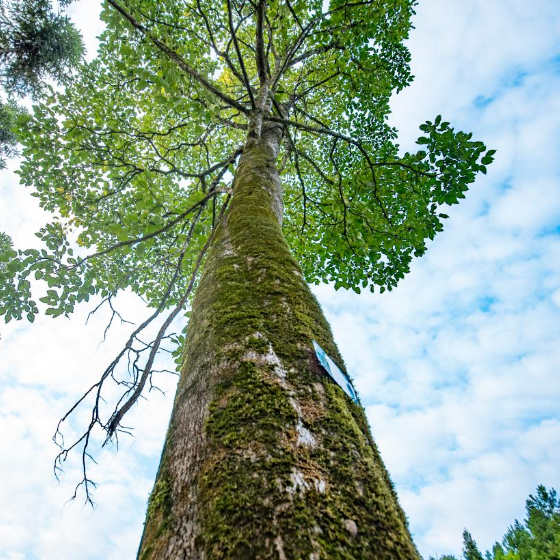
<point>536,538</point>
<point>36,44</point>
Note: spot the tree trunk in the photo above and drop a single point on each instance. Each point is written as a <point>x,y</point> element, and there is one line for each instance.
<point>266,456</point>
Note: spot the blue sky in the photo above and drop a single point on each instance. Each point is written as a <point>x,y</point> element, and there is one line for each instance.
<point>458,367</point>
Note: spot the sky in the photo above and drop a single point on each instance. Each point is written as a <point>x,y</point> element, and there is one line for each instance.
<point>457,368</point>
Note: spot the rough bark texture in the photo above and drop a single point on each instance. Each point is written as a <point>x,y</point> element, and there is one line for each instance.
<point>266,457</point>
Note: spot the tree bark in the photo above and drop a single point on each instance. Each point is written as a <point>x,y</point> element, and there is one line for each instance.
<point>266,456</point>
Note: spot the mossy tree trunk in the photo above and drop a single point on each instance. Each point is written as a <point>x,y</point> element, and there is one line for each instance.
<point>266,457</point>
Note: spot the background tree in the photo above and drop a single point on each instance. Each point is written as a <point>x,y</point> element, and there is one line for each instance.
<point>470,548</point>
<point>36,44</point>
<point>539,535</point>
<point>537,538</point>
<point>134,160</point>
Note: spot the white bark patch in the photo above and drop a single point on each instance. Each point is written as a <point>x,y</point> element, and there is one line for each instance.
<point>305,437</point>
<point>298,481</point>
<point>319,388</point>
<point>258,334</point>
<point>269,358</point>
<point>320,485</point>
<point>274,360</point>
<point>227,246</point>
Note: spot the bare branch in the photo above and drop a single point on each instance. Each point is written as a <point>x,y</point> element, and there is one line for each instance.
<point>294,15</point>
<point>315,166</point>
<point>303,191</point>
<point>342,199</point>
<point>139,377</point>
<point>338,136</point>
<point>166,227</point>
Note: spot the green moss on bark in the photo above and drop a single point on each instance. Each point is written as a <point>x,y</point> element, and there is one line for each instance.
<point>158,515</point>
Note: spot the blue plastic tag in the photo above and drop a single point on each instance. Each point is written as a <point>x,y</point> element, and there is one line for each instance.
<point>334,371</point>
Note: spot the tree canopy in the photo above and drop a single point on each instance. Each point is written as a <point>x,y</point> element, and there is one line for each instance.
<point>134,159</point>
<point>144,138</point>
